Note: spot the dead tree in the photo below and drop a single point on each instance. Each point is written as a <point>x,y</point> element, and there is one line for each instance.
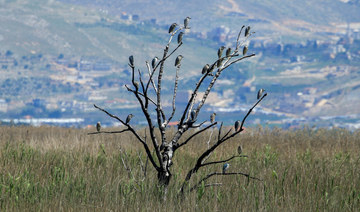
<point>149,86</point>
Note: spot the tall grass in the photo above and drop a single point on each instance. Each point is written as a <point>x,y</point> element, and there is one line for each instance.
<point>49,168</point>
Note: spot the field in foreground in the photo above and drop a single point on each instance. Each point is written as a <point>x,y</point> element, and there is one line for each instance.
<point>51,168</point>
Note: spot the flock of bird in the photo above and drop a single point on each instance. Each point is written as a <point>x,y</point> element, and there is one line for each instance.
<point>205,70</point>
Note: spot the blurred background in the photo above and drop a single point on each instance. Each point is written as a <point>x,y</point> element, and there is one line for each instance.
<point>59,57</point>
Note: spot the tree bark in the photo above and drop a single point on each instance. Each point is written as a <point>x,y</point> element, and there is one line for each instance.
<point>164,178</point>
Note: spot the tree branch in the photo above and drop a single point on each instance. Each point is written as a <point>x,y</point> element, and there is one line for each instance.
<point>150,77</point>
<point>223,161</point>
<point>199,162</point>
<point>161,118</point>
<point>193,135</point>
<point>174,96</point>
<point>148,119</point>
<point>146,97</point>
<point>135,133</point>
<point>239,59</point>
<point>222,174</point>
<point>108,132</point>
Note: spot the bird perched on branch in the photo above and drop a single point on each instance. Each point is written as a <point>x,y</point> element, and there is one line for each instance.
<point>239,149</point>
<point>247,31</point>
<point>245,49</point>
<point>172,27</point>
<point>228,52</point>
<point>98,126</point>
<point>237,125</point>
<point>260,93</point>
<point>128,118</point>
<point>180,37</point>
<point>154,61</point>
<point>205,69</point>
<point>131,60</point>
<point>186,22</point>
<point>178,60</point>
<point>212,117</point>
<point>220,51</point>
<point>225,167</point>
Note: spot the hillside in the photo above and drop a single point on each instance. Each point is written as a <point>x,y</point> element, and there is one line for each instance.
<point>59,57</point>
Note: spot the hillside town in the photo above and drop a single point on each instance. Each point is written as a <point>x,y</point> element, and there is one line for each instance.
<point>46,86</point>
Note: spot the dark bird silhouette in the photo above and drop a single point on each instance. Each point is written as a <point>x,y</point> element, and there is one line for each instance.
<point>178,60</point>
<point>128,118</point>
<point>186,22</point>
<point>205,69</point>
<point>98,126</point>
<point>239,149</point>
<point>180,37</point>
<point>228,52</point>
<point>247,31</point>
<point>131,60</point>
<point>237,125</point>
<point>154,61</point>
<point>245,49</point>
<point>220,51</point>
<point>172,27</point>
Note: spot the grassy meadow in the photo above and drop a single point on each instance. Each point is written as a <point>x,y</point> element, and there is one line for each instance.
<point>60,169</point>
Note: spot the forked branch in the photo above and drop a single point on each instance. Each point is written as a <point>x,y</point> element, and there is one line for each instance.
<point>129,128</point>
<point>222,174</point>
<point>200,161</point>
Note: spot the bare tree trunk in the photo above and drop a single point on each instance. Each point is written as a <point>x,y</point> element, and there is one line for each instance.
<point>144,87</point>
<point>164,178</point>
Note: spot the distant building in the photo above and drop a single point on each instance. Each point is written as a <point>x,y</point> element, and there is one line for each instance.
<point>101,66</point>
<point>135,17</point>
<point>85,65</point>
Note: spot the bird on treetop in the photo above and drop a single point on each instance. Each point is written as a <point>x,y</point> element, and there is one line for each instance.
<point>220,51</point>
<point>186,22</point>
<point>178,60</point>
<point>128,118</point>
<point>225,167</point>
<point>131,60</point>
<point>98,126</point>
<point>154,61</point>
<point>172,27</point>
<point>260,93</point>
<point>247,31</point>
<point>205,69</point>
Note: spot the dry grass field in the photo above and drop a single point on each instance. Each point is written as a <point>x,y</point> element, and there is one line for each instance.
<point>59,169</point>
